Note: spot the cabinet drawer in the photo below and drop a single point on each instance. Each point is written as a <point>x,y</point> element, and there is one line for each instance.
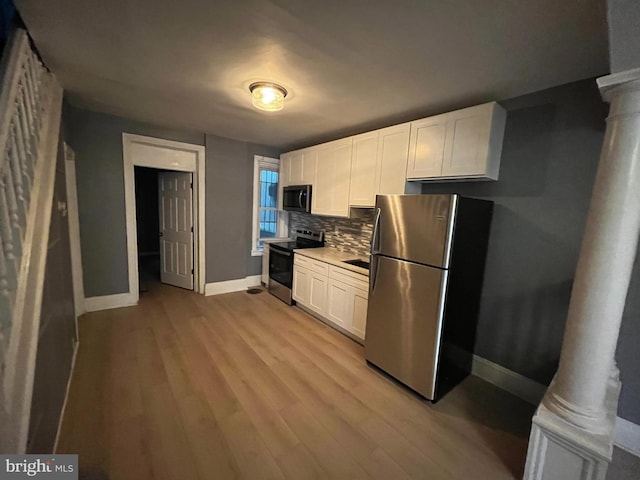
<point>319,267</point>
<point>302,261</point>
<point>314,265</point>
<point>352,279</point>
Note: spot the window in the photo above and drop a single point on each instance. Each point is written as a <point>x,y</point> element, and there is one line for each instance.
<point>268,222</point>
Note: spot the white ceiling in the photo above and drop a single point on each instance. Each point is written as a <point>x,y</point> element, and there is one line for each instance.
<point>348,65</point>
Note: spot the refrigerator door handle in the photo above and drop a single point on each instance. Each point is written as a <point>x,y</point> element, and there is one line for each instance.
<point>374,272</point>
<point>374,235</point>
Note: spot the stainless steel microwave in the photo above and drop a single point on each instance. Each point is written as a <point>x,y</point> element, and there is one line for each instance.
<point>297,198</point>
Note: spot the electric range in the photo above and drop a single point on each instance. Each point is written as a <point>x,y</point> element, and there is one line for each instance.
<point>281,261</point>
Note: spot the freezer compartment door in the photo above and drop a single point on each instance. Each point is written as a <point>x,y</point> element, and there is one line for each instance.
<point>404,321</point>
<point>418,228</point>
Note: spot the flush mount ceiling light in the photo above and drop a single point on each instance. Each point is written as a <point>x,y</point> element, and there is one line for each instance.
<point>267,96</point>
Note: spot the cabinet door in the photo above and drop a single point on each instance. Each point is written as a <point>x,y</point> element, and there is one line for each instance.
<point>295,168</point>
<point>333,170</point>
<point>467,145</point>
<point>285,169</point>
<point>364,170</point>
<point>339,309</point>
<point>341,177</point>
<point>322,190</point>
<point>359,312</point>
<point>309,158</point>
<point>301,285</point>
<point>347,307</point>
<point>318,293</point>
<point>426,147</point>
<point>265,264</point>
<point>393,149</point>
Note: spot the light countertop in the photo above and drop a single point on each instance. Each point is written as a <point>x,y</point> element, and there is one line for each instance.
<point>334,257</point>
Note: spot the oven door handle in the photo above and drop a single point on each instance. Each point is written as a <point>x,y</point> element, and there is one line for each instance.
<point>280,252</point>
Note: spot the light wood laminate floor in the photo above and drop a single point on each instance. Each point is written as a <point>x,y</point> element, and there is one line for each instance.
<point>184,387</point>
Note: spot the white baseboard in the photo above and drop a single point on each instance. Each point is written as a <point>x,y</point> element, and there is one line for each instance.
<point>106,302</point>
<point>253,281</point>
<point>66,395</point>
<point>627,436</point>
<point>229,286</point>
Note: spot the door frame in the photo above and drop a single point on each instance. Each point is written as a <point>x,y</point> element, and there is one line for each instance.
<point>142,151</point>
<point>74,232</point>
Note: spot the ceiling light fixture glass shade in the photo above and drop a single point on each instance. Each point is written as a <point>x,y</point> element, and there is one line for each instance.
<point>267,96</point>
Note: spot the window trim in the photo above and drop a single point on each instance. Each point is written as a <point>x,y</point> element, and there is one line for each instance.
<point>260,161</point>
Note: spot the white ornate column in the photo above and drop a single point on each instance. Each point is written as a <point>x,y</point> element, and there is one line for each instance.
<point>572,431</point>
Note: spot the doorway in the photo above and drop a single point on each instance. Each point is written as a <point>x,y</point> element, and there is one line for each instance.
<point>164,215</point>
<point>182,165</point>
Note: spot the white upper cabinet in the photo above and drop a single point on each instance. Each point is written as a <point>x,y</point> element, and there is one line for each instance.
<point>296,168</point>
<point>426,147</point>
<point>393,146</point>
<point>303,167</point>
<point>309,160</point>
<point>299,167</point>
<point>465,144</point>
<point>285,169</point>
<point>364,170</point>
<point>379,164</point>
<point>461,145</point>
<point>474,142</point>
<point>330,194</point>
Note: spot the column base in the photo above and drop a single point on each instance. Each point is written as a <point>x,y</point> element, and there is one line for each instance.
<point>558,449</point>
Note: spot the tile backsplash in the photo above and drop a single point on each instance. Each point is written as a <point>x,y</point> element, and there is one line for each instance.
<point>351,235</point>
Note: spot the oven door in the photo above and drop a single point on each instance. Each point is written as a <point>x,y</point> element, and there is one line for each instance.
<point>281,266</point>
<point>281,273</point>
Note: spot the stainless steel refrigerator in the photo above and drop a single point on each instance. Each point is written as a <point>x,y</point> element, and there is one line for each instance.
<point>427,262</point>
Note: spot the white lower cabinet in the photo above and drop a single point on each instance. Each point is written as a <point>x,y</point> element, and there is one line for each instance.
<point>336,294</point>
<point>301,285</point>
<point>318,292</point>
<point>310,288</point>
<point>347,307</point>
<point>359,316</point>
<point>338,307</point>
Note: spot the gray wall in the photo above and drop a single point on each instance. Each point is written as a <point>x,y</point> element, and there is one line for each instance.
<point>624,34</point>
<point>229,199</point>
<point>550,154</point>
<point>96,139</point>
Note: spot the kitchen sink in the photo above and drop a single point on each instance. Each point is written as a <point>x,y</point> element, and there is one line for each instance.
<point>358,263</point>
